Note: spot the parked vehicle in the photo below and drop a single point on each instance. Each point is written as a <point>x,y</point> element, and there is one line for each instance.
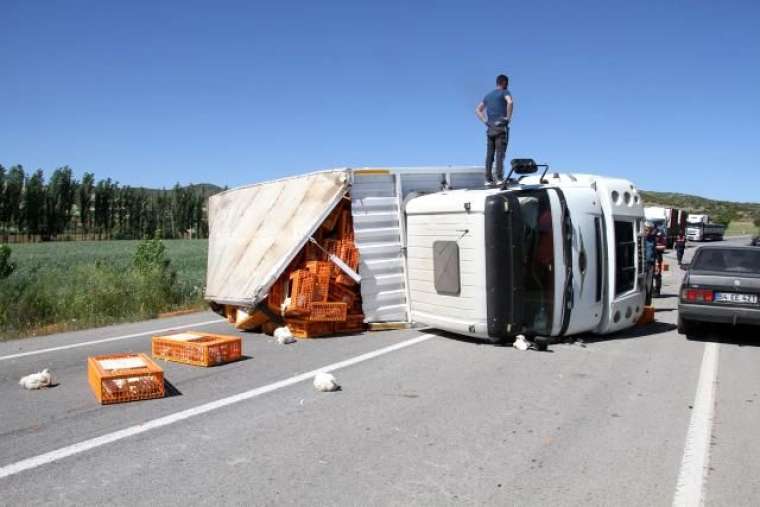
<point>755,241</point>
<point>550,255</point>
<point>703,231</point>
<point>721,285</point>
<point>670,221</point>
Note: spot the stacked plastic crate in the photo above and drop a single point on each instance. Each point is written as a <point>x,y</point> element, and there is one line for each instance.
<point>313,295</point>
<point>323,300</point>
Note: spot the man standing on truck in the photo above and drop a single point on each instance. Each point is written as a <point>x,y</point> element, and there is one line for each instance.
<point>495,111</point>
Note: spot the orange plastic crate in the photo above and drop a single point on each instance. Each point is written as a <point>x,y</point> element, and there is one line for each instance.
<point>341,293</point>
<point>309,329</point>
<point>345,225</point>
<point>328,312</point>
<point>199,349</point>
<point>118,378</point>
<point>312,252</point>
<point>332,219</point>
<point>350,254</point>
<point>302,292</point>
<point>346,250</point>
<point>277,294</point>
<point>331,245</point>
<point>354,322</point>
<point>345,280</point>
<point>322,270</point>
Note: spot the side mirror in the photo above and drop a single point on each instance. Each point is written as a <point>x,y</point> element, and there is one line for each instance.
<point>524,165</point>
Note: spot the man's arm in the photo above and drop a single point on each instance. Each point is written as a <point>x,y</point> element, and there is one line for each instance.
<point>480,112</point>
<point>510,105</point>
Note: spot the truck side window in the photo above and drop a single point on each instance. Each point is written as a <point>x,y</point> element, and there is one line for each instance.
<point>625,257</point>
<point>446,267</point>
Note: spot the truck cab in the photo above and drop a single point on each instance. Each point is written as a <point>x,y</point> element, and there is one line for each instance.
<point>546,256</point>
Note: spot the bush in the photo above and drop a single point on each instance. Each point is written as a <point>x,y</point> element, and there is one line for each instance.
<point>723,216</point>
<point>6,266</point>
<point>155,267</point>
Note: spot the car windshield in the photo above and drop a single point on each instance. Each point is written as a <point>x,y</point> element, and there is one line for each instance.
<point>734,261</point>
<point>538,263</point>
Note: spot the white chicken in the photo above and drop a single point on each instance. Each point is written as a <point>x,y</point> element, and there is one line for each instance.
<point>521,343</point>
<point>283,335</point>
<point>325,382</point>
<point>37,380</point>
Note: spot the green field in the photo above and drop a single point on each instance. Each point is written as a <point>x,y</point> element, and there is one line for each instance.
<point>69,285</point>
<point>738,228</point>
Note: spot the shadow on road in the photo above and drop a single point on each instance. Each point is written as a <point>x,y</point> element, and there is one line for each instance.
<point>170,390</point>
<point>634,332</point>
<point>743,336</point>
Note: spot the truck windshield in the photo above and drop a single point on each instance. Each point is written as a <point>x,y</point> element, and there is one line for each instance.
<point>537,263</point>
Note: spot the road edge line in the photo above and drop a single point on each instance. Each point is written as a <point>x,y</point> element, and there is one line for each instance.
<point>106,340</point>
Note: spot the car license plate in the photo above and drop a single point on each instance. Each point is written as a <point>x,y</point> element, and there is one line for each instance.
<point>732,297</point>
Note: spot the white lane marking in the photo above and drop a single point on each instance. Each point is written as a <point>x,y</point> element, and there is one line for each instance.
<point>86,445</point>
<point>696,455</point>
<point>105,340</point>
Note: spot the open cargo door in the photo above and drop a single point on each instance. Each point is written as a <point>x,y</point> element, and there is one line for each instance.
<point>257,230</point>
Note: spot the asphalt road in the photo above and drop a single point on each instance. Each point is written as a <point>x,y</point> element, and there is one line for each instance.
<point>439,421</point>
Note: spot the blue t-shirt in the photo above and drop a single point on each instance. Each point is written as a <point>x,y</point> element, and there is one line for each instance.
<point>496,105</point>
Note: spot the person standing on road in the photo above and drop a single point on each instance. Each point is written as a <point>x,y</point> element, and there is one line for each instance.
<point>680,247</point>
<point>650,259</point>
<point>495,111</point>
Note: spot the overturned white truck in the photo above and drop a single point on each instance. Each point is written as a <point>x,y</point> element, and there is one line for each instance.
<point>548,255</point>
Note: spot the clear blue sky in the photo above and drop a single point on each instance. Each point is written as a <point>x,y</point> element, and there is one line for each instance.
<point>154,92</point>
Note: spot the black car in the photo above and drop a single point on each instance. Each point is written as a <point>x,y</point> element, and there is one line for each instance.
<point>755,241</point>
<point>721,285</point>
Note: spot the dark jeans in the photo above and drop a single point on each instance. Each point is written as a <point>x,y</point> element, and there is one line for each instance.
<point>497,146</point>
<point>649,281</point>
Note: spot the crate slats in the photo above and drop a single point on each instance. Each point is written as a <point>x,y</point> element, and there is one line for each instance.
<point>119,378</point>
<point>198,349</point>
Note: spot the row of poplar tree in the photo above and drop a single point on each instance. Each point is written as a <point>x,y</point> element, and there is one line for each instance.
<point>63,207</point>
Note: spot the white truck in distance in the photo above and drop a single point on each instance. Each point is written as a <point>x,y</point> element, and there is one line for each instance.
<point>699,228</point>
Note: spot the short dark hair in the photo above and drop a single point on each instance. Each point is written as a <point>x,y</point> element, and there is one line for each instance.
<point>502,80</point>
